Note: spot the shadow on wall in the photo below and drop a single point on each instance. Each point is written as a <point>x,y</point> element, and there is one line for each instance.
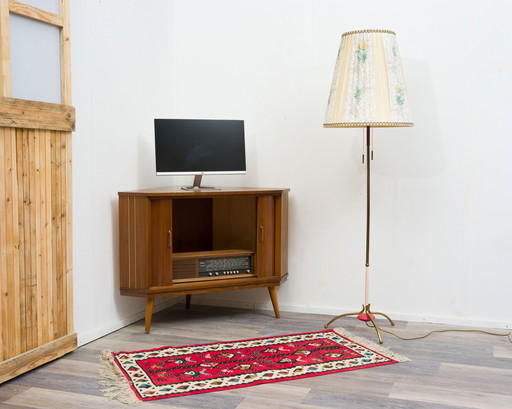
<point>146,164</point>
<point>146,159</point>
<point>417,152</point>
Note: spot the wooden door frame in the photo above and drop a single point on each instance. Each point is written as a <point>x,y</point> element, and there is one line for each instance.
<point>60,20</point>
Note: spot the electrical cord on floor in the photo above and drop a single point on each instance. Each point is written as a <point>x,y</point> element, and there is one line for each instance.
<point>442,330</point>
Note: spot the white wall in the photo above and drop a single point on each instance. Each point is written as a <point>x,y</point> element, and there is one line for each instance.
<point>441,219</point>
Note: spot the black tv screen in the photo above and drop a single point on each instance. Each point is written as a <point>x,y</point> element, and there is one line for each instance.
<point>199,146</point>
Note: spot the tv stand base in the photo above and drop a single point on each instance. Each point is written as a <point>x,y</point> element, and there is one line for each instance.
<point>197,185</point>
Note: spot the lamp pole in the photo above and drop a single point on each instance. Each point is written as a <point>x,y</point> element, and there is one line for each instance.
<point>367,264</point>
<point>365,314</point>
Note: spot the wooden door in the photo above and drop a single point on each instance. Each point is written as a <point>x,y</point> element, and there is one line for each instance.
<point>161,242</point>
<point>36,319</point>
<point>265,233</point>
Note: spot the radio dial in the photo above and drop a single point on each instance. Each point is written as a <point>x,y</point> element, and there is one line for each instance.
<point>224,266</point>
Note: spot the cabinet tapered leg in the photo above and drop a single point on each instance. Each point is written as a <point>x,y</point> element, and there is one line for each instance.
<point>273,297</point>
<point>188,297</point>
<point>149,313</point>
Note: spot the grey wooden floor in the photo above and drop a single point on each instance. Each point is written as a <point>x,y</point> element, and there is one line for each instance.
<point>451,370</point>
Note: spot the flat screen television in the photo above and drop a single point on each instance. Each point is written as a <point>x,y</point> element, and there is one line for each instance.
<point>199,147</point>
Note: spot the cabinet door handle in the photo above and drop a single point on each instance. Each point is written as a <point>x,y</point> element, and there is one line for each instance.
<point>262,234</point>
<point>169,239</point>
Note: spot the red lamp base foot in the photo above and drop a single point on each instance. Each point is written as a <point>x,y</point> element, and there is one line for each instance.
<point>366,317</point>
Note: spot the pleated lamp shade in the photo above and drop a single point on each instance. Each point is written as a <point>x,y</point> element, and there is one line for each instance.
<point>368,87</point>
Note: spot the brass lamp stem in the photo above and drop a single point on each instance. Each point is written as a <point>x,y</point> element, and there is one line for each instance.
<point>365,314</point>
<point>367,275</point>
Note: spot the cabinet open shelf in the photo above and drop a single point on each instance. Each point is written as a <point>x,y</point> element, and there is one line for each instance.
<point>211,254</point>
<point>199,279</point>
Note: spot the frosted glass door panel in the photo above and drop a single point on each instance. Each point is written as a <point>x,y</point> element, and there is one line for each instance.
<point>35,60</point>
<point>49,5</point>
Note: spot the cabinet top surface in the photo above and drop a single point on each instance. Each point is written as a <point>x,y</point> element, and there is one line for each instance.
<point>178,191</point>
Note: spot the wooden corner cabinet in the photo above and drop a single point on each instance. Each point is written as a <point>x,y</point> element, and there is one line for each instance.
<point>179,242</point>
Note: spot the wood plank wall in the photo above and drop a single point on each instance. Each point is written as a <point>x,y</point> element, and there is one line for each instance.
<point>35,236</point>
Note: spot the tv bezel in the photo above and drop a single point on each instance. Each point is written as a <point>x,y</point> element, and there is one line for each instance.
<point>201,172</point>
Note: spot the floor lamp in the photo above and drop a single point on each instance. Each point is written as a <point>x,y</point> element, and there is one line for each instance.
<point>367,91</point>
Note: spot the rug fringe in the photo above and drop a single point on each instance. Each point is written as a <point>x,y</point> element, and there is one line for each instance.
<point>113,383</point>
<point>372,345</point>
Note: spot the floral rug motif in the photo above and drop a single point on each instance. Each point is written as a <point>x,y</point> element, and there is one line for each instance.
<point>178,371</point>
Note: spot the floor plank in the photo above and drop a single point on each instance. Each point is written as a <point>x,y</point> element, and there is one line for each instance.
<point>452,370</point>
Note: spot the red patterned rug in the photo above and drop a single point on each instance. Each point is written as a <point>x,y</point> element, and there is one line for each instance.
<point>177,371</point>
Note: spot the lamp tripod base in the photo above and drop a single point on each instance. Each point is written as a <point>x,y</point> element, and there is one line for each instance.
<point>365,315</point>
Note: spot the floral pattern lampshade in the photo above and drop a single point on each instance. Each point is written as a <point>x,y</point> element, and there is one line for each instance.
<point>368,87</point>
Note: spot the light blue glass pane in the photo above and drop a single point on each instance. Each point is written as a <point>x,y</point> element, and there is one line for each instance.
<point>48,5</point>
<point>35,60</point>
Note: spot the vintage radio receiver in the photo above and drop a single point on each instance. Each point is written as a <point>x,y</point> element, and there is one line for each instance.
<point>217,266</point>
<point>213,264</point>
